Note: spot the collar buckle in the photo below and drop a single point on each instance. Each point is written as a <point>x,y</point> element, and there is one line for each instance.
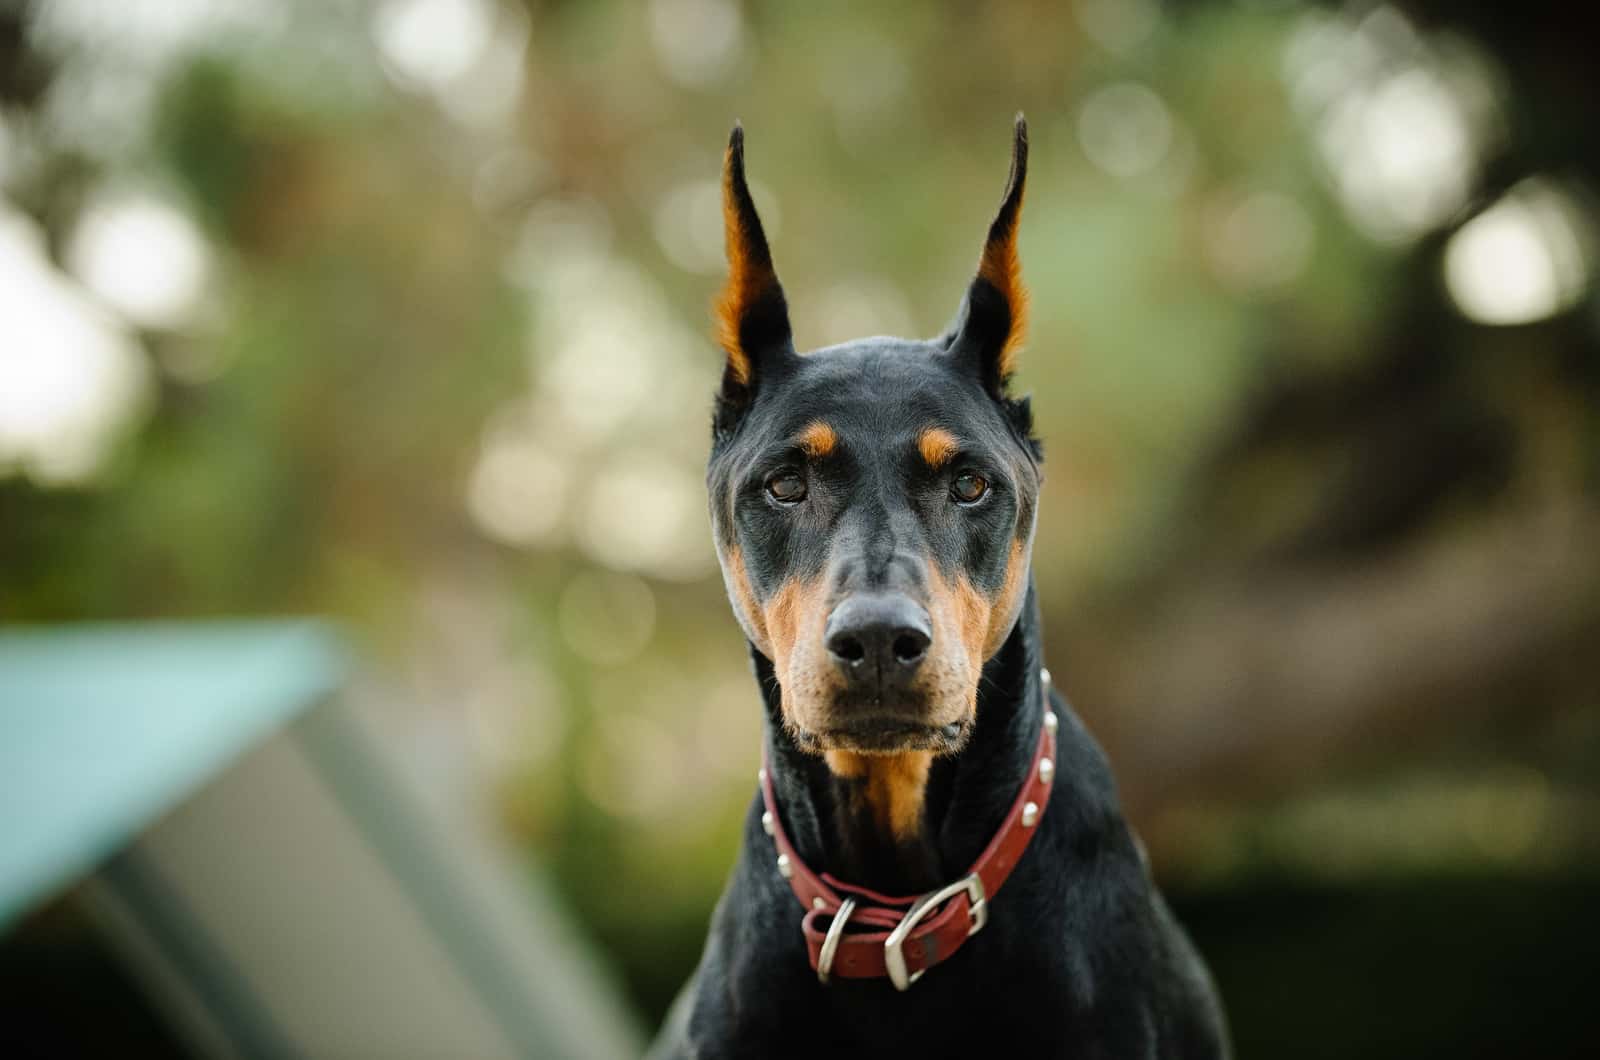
<point>830,945</point>
<point>894,956</point>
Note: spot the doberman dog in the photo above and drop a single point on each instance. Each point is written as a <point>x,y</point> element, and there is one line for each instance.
<point>874,505</point>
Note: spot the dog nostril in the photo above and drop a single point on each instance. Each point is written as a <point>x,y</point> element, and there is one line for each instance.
<point>847,648</point>
<point>910,646</point>
<point>871,634</point>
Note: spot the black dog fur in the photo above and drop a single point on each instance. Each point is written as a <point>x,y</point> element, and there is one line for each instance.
<point>1080,957</point>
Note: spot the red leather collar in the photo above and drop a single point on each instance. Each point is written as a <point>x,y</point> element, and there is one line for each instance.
<point>856,933</point>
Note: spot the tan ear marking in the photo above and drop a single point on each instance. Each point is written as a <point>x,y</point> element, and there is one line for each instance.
<point>999,263</point>
<point>938,446</point>
<point>751,277</point>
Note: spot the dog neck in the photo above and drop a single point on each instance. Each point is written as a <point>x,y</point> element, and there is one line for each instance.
<point>900,824</point>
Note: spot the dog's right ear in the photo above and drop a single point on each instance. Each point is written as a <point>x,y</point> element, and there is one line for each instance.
<point>752,315</point>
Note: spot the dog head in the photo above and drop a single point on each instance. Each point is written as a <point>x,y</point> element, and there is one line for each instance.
<point>873,502</point>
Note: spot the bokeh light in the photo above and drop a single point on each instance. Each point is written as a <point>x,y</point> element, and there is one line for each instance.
<point>71,378</point>
<point>145,258</point>
<point>1526,257</point>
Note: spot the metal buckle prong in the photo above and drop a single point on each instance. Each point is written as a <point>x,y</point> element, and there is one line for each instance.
<point>894,957</point>
<point>830,944</point>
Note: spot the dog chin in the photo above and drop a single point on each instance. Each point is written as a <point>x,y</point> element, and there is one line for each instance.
<point>884,736</point>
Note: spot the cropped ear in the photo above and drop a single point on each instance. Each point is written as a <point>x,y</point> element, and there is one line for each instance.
<point>752,315</point>
<point>993,318</point>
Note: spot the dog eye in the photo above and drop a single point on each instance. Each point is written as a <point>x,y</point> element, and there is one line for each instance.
<point>787,487</point>
<point>968,488</point>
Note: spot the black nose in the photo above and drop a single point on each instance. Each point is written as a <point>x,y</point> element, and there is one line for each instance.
<point>884,635</point>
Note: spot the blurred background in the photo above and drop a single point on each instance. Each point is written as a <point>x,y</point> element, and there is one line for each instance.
<point>395,312</point>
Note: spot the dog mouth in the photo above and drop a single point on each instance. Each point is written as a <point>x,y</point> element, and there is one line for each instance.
<point>886,734</point>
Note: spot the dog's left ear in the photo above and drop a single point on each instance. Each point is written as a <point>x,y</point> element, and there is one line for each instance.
<point>752,314</point>
<point>994,315</point>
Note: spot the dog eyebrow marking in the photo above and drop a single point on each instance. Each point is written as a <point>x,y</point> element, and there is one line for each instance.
<point>938,446</point>
<point>817,439</point>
